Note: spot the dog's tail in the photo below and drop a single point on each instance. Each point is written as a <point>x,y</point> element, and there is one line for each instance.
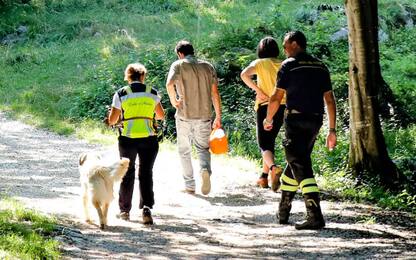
<point>82,158</point>
<point>121,169</point>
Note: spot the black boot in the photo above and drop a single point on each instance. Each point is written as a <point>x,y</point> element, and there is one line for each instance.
<point>314,218</point>
<point>285,206</point>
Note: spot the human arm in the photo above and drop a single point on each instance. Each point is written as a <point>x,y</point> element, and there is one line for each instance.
<point>246,76</point>
<point>114,116</point>
<point>331,139</point>
<point>272,108</point>
<point>216,101</point>
<point>160,113</point>
<point>170,87</point>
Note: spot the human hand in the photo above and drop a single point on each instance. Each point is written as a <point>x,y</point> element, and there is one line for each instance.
<point>177,103</point>
<point>217,123</point>
<point>106,121</point>
<point>331,140</point>
<point>261,97</point>
<point>267,125</point>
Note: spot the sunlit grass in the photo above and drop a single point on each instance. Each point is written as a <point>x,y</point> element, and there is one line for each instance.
<point>23,233</point>
<point>94,132</point>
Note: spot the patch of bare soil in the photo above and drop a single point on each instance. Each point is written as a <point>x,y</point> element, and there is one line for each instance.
<point>236,220</point>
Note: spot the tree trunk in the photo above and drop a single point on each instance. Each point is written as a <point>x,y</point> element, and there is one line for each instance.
<point>368,155</point>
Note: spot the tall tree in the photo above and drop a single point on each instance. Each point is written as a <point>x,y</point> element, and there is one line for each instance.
<point>368,152</point>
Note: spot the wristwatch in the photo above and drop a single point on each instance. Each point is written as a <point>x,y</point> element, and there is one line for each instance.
<point>332,130</point>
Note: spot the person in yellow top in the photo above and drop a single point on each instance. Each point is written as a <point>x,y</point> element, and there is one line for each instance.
<point>265,67</point>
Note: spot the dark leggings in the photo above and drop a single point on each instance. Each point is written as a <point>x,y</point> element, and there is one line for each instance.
<point>267,139</point>
<point>147,149</point>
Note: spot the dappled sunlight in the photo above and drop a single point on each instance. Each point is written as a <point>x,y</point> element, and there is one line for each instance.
<point>105,52</point>
<point>236,219</point>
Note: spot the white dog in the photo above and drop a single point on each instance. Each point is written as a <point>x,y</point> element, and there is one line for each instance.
<point>97,181</point>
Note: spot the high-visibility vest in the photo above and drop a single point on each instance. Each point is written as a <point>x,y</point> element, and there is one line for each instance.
<point>138,110</point>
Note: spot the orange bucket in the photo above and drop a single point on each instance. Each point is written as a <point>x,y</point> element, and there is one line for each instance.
<point>218,143</point>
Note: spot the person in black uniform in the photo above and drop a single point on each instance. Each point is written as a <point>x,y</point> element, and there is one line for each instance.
<point>307,85</point>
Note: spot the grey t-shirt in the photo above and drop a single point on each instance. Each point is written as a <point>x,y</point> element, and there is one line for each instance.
<point>193,80</point>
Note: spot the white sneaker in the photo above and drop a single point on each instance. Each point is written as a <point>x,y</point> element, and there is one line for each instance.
<point>206,182</point>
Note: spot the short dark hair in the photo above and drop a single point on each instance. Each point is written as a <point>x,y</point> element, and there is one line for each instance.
<point>298,37</point>
<point>267,48</point>
<point>184,47</point>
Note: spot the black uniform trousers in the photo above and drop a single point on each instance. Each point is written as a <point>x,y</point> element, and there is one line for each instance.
<point>301,131</point>
<point>147,149</point>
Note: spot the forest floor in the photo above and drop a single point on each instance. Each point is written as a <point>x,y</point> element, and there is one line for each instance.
<point>236,220</point>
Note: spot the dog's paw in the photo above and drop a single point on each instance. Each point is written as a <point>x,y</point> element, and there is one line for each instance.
<point>89,221</point>
<point>103,226</point>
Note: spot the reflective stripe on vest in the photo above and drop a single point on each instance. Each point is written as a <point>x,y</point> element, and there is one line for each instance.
<point>138,111</point>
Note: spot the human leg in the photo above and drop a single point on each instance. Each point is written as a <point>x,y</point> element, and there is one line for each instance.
<point>184,140</point>
<point>264,146</point>
<point>147,150</point>
<point>127,149</point>
<point>288,188</point>
<point>202,130</point>
<point>314,217</point>
<point>262,181</point>
<point>266,141</point>
<point>301,133</point>
<point>274,171</point>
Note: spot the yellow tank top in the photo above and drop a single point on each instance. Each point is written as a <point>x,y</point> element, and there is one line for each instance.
<point>266,70</point>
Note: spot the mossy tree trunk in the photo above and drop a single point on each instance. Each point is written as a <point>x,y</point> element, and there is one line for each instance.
<point>368,155</point>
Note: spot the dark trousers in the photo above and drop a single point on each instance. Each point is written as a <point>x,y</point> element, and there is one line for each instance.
<point>147,149</point>
<point>301,131</point>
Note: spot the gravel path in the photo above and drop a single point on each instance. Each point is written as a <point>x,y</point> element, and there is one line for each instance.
<point>236,220</point>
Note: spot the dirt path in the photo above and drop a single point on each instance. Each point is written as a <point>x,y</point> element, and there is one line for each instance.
<point>236,220</point>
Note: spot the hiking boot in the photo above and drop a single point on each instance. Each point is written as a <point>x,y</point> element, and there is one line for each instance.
<point>285,206</point>
<point>147,216</point>
<point>275,173</point>
<point>262,182</point>
<point>206,182</point>
<point>124,216</point>
<point>314,218</point>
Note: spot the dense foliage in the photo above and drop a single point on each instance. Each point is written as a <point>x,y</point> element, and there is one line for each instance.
<point>62,60</point>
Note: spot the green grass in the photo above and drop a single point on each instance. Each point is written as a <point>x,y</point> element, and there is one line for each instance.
<point>24,233</point>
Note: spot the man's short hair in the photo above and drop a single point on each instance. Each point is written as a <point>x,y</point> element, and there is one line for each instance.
<point>184,47</point>
<point>298,37</point>
<point>134,71</point>
<point>267,48</point>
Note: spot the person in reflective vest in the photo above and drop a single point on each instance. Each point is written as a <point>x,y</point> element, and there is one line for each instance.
<point>137,106</point>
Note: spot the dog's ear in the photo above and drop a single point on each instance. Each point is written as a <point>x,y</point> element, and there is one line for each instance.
<point>82,158</point>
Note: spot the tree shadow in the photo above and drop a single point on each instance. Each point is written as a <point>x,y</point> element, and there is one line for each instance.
<point>176,238</point>
<point>398,220</point>
<point>232,200</point>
